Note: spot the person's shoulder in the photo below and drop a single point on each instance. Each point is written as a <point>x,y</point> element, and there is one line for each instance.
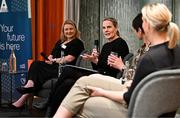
<point>160,52</point>
<point>176,49</point>
<point>121,41</point>
<point>79,40</point>
<point>59,41</point>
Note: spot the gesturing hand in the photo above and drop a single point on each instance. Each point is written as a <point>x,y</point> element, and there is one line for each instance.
<point>93,57</point>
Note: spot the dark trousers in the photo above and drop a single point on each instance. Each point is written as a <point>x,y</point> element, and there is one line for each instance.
<point>65,82</point>
<point>40,72</point>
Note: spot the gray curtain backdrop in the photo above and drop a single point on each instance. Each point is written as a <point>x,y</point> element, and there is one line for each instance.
<point>89,14</point>
<point>176,10</point>
<point>72,10</point>
<point>92,13</point>
<point>124,11</point>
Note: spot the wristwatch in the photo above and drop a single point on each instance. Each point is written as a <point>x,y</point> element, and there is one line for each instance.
<point>123,68</point>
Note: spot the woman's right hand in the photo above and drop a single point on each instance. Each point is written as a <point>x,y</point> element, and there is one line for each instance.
<point>50,61</point>
<point>128,83</point>
<point>93,57</point>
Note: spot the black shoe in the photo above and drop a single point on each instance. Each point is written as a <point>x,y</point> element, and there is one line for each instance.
<point>16,108</point>
<point>41,104</point>
<point>24,90</point>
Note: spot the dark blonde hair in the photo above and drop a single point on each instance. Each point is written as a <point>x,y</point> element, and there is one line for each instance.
<point>159,17</point>
<point>114,22</point>
<point>77,33</point>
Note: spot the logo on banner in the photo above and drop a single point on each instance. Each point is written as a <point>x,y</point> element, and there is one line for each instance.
<point>4,7</point>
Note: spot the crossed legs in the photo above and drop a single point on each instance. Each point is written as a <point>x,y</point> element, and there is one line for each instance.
<point>73,104</point>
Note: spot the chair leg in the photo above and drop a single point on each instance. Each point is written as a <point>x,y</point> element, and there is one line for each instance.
<point>30,101</point>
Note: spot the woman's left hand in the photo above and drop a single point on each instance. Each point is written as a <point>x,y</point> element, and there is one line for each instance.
<point>48,62</point>
<point>96,91</point>
<point>113,95</point>
<point>115,62</point>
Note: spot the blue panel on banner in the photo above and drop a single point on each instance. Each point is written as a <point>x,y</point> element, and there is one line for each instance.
<point>15,33</point>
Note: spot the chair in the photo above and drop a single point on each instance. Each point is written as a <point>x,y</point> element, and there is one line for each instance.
<point>128,57</point>
<point>48,85</point>
<point>156,94</point>
<point>79,61</point>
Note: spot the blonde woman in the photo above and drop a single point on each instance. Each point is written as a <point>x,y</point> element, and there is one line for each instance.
<point>69,45</point>
<point>99,61</point>
<point>96,97</point>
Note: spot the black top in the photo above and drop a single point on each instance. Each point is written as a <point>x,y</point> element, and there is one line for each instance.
<point>118,45</point>
<point>159,57</point>
<point>39,71</point>
<point>74,48</point>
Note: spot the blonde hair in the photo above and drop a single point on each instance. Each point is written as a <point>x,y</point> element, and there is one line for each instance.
<point>77,33</point>
<point>159,17</point>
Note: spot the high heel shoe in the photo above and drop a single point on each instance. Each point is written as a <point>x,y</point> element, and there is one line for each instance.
<point>16,108</point>
<point>24,90</point>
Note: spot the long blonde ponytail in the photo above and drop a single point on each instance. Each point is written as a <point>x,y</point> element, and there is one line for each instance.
<point>173,32</point>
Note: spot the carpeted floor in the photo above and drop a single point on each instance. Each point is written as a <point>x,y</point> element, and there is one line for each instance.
<point>6,112</point>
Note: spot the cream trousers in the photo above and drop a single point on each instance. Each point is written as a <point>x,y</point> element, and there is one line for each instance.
<point>79,102</point>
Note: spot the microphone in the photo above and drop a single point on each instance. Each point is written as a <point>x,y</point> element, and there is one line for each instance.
<point>44,56</point>
<point>96,44</point>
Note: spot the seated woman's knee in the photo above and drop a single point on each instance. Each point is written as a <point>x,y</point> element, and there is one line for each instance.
<point>83,80</point>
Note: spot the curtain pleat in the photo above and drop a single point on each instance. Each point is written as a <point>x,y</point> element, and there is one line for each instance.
<point>47,19</point>
<point>72,10</point>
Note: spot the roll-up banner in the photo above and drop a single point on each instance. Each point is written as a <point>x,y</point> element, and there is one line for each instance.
<point>15,34</point>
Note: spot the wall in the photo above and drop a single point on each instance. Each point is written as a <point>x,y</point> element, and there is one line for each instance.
<point>92,13</point>
<point>124,11</point>
<point>176,10</point>
<point>89,24</point>
<point>89,21</point>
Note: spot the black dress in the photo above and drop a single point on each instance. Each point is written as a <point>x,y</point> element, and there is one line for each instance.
<point>69,76</point>
<point>40,72</point>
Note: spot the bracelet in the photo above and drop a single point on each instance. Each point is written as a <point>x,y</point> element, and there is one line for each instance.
<point>55,59</point>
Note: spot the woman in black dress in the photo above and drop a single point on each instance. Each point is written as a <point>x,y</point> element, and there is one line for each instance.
<point>97,97</point>
<point>99,61</point>
<point>66,50</point>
